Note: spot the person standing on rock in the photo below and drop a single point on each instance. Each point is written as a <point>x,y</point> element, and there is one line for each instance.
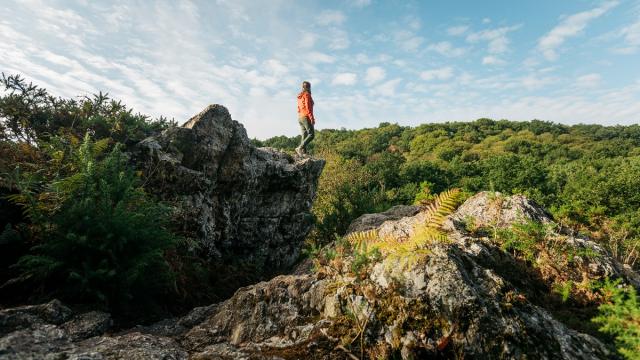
<point>305,117</point>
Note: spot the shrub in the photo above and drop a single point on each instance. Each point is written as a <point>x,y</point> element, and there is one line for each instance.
<point>30,114</point>
<point>620,317</point>
<point>99,238</point>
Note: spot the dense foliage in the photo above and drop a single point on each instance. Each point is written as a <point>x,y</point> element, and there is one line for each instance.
<point>620,317</point>
<point>103,238</point>
<point>30,114</point>
<point>587,175</point>
<point>89,233</point>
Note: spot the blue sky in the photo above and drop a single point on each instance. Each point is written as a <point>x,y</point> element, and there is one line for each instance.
<point>369,61</point>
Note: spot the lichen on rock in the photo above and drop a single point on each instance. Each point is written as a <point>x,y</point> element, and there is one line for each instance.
<point>235,202</point>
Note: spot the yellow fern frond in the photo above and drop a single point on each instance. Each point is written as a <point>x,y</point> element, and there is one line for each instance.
<point>411,250</point>
<point>444,204</point>
<point>359,238</point>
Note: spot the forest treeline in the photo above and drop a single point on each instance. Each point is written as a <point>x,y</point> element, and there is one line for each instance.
<point>588,176</point>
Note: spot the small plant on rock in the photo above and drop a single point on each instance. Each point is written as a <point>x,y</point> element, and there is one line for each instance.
<point>429,231</point>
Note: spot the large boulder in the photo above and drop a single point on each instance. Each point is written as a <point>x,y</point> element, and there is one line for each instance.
<point>238,204</point>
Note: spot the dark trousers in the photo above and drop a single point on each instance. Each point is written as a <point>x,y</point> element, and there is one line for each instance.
<point>306,127</point>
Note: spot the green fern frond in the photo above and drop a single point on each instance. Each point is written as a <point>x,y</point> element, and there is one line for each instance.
<point>100,146</point>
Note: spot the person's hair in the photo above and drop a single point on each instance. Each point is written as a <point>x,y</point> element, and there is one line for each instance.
<point>306,86</point>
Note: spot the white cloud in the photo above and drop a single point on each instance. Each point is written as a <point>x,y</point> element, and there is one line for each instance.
<point>362,59</point>
<point>276,67</point>
<point>492,60</point>
<point>412,44</point>
<point>307,40</point>
<point>533,82</point>
<point>445,48</point>
<point>437,74</point>
<point>407,40</point>
<point>569,27</point>
<point>331,17</point>
<point>344,79</point>
<point>338,39</point>
<point>316,57</point>
<point>496,38</point>
<point>631,38</point>
<point>387,88</point>
<point>486,20</point>
<point>589,80</point>
<point>457,30</point>
<point>374,74</point>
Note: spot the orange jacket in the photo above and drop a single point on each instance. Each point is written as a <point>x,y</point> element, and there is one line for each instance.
<point>305,106</point>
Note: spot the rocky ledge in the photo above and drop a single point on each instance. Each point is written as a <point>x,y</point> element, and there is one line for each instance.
<point>232,200</point>
<point>465,298</point>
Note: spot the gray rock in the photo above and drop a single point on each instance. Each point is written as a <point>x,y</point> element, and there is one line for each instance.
<point>87,325</point>
<point>373,221</point>
<point>495,209</point>
<point>277,308</point>
<point>233,200</point>
<point>24,317</point>
<point>483,302</point>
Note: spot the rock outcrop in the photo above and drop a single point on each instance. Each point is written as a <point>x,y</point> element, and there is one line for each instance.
<point>466,297</point>
<point>234,201</point>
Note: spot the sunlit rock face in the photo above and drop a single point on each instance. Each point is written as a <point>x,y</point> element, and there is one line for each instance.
<point>238,203</point>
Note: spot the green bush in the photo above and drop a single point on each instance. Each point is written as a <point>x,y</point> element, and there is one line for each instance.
<point>30,114</point>
<point>620,317</point>
<point>99,237</point>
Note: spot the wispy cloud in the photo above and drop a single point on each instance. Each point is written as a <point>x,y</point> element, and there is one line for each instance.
<point>408,40</point>
<point>315,57</point>
<point>374,74</point>
<point>308,40</point>
<point>344,79</point>
<point>331,17</point>
<point>589,80</point>
<point>445,48</point>
<point>338,39</point>
<point>497,39</point>
<point>457,30</point>
<point>631,38</point>
<point>437,74</point>
<point>571,26</point>
<point>387,88</point>
<point>492,60</point>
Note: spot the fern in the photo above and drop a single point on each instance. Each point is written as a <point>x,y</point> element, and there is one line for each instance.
<point>100,237</point>
<point>425,233</point>
<point>358,239</point>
